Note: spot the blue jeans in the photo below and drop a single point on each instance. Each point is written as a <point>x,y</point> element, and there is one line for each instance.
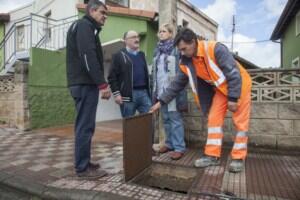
<point>86,101</point>
<point>174,129</point>
<point>140,102</point>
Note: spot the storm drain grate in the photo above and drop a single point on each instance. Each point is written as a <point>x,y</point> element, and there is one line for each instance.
<point>266,176</point>
<point>273,176</point>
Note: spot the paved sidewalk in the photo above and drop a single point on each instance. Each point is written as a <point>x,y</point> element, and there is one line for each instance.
<point>40,163</point>
<point>46,158</point>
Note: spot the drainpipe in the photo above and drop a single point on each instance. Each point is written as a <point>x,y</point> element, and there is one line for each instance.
<point>281,52</point>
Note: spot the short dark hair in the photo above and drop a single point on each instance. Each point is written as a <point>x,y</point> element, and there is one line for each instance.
<point>186,35</point>
<point>94,4</point>
<point>125,35</point>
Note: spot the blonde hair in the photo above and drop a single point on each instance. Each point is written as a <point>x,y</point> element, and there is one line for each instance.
<point>169,27</point>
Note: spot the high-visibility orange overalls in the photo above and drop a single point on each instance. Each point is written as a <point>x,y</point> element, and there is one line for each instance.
<point>207,69</point>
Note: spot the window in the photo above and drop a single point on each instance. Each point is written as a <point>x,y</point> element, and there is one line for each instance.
<point>185,23</point>
<point>296,63</point>
<point>20,38</point>
<point>124,3</point>
<point>298,24</point>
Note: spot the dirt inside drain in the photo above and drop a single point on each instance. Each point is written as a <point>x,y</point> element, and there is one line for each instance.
<point>167,177</point>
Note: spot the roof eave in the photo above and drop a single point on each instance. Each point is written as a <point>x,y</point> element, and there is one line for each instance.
<point>194,8</point>
<point>124,11</point>
<point>283,20</point>
<point>4,17</point>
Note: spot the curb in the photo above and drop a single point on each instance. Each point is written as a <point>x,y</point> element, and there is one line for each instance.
<point>27,187</point>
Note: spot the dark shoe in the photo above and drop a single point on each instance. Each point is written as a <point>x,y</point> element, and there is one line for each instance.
<point>176,155</point>
<point>164,149</point>
<point>91,174</point>
<point>236,166</point>
<point>206,161</point>
<point>94,166</point>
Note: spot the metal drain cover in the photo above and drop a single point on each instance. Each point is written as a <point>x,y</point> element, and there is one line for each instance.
<point>137,144</point>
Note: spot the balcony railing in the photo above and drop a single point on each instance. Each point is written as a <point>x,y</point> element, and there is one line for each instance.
<point>33,31</point>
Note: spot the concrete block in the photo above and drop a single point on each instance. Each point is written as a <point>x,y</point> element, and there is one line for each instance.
<point>6,108</point>
<point>228,126</point>
<point>193,123</point>
<point>288,142</point>
<point>289,111</point>
<point>6,96</point>
<point>270,127</point>
<point>264,110</point>
<point>262,140</point>
<point>194,110</point>
<point>296,127</point>
<point>197,139</point>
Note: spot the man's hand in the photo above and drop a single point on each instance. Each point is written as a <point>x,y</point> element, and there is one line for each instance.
<point>118,100</point>
<point>105,93</point>
<point>155,107</point>
<point>232,106</point>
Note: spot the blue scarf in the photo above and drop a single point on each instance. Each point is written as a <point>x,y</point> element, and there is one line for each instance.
<point>166,48</point>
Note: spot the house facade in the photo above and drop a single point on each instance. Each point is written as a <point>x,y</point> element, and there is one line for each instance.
<point>287,31</point>
<point>38,36</point>
<point>39,23</point>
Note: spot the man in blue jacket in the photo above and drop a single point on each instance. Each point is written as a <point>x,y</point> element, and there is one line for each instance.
<point>85,75</point>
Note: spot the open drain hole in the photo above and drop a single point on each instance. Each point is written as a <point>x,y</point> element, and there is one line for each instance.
<point>166,177</point>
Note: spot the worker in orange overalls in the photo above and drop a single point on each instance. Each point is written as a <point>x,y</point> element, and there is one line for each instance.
<point>218,83</point>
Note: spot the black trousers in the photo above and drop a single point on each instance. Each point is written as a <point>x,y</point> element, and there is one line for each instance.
<point>86,101</point>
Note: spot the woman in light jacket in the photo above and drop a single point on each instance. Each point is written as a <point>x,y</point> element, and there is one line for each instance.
<point>165,67</point>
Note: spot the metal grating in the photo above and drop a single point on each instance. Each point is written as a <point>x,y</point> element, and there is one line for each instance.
<point>273,176</point>
<point>267,175</point>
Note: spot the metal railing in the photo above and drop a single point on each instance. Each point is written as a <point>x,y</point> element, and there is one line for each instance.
<point>33,31</point>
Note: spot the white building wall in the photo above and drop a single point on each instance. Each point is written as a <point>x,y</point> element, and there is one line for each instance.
<point>59,9</point>
<point>17,14</point>
<point>197,20</point>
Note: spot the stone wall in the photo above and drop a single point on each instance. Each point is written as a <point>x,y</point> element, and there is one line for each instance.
<point>272,125</point>
<point>14,110</point>
<point>275,114</point>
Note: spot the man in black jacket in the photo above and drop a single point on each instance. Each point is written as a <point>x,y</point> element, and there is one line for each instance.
<point>85,75</point>
<point>129,77</point>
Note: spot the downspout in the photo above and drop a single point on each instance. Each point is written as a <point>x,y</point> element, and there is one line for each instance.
<point>281,51</point>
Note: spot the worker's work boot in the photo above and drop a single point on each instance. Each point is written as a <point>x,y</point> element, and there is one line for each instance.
<point>236,165</point>
<point>206,161</point>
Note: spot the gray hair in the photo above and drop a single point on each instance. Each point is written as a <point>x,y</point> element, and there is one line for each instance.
<point>94,4</point>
